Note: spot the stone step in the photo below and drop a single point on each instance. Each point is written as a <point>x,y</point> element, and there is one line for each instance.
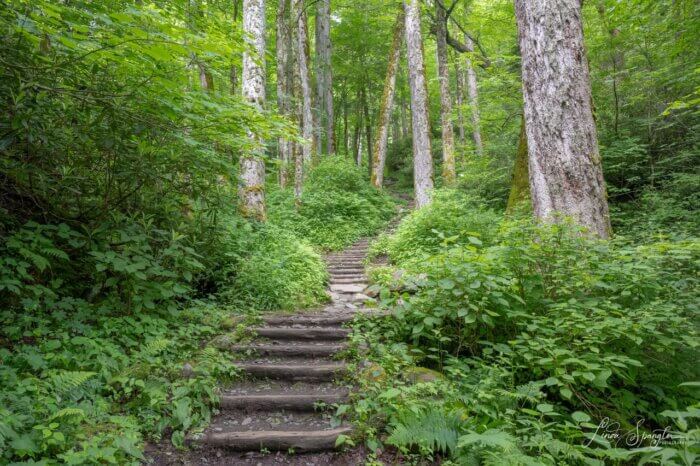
<point>294,372</point>
<point>276,440</point>
<point>349,280</point>
<point>319,320</point>
<point>292,402</point>
<point>302,333</point>
<point>347,288</point>
<point>351,273</point>
<point>290,350</point>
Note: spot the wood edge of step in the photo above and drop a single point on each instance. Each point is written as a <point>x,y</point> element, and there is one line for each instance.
<point>296,402</point>
<point>289,350</point>
<point>312,440</point>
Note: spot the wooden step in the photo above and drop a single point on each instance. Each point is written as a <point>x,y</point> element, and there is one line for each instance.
<point>276,440</point>
<point>327,321</point>
<point>349,280</point>
<point>302,333</point>
<point>292,402</point>
<point>347,288</point>
<point>290,350</point>
<point>295,372</point>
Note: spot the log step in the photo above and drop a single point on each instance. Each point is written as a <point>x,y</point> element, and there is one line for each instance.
<point>295,372</point>
<point>290,350</point>
<point>303,333</point>
<point>292,402</point>
<point>307,320</point>
<point>276,440</point>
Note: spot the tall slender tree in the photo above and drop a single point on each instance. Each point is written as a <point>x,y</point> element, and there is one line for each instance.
<point>448,141</point>
<point>473,96</point>
<point>252,167</point>
<point>302,46</point>
<point>284,83</point>
<point>566,176</point>
<point>422,158</point>
<point>324,79</point>
<point>380,143</point>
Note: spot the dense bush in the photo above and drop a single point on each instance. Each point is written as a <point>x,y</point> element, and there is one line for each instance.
<point>541,332</point>
<point>278,272</point>
<point>453,218</point>
<point>338,206</point>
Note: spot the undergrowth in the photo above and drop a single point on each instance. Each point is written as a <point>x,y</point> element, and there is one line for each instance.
<point>545,343</point>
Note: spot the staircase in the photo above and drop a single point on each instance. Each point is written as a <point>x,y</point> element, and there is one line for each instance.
<point>293,380</point>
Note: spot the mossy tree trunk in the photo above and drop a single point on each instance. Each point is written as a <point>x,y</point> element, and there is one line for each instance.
<point>566,176</point>
<point>284,84</point>
<point>448,140</point>
<point>302,49</point>
<point>324,79</point>
<point>520,184</point>
<point>473,97</point>
<point>380,143</point>
<point>252,168</point>
<point>422,158</point>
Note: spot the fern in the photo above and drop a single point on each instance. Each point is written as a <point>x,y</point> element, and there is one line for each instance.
<point>435,430</point>
<point>64,382</point>
<point>68,412</point>
<point>155,346</point>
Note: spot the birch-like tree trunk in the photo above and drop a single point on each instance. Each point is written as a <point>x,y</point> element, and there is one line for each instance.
<point>380,143</point>
<point>473,97</point>
<point>448,140</point>
<point>519,186</point>
<point>565,170</point>
<point>302,46</point>
<point>251,189</point>
<point>297,106</point>
<point>324,78</point>
<point>422,158</point>
<point>460,101</point>
<point>284,84</point>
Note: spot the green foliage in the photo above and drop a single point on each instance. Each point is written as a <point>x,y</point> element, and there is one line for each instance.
<point>543,333</point>
<point>338,206</point>
<point>453,218</point>
<point>91,387</point>
<point>280,271</point>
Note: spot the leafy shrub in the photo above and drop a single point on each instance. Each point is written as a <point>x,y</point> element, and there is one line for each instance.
<point>338,206</point>
<point>452,218</point>
<point>543,333</point>
<point>280,271</point>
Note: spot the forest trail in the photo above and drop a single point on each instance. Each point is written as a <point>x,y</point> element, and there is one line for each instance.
<point>293,380</point>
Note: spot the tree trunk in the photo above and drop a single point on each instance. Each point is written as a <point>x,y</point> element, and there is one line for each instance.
<point>284,104</point>
<point>448,140</point>
<point>297,148</point>
<point>565,170</point>
<point>307,119</point>
<point>324,78</point>
<point>519,186</point>
<point>473,96</point>
<point>422,158</point>
<point>460,101</point>
<point>380,144</point>
<point>252,167</point>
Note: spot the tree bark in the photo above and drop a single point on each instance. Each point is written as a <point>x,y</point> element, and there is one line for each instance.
<point>565,170</point>
<point>252,168</point>
<point>448,140</point>
<point>297,106</point>
<point>307,119</point>
<point>324,78</point>
<point>380,144</point>
<point>460,101</point>
<point>284,84</point>
<point>422,158</point>
<point>519,186</point>
<point>473,96</point>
